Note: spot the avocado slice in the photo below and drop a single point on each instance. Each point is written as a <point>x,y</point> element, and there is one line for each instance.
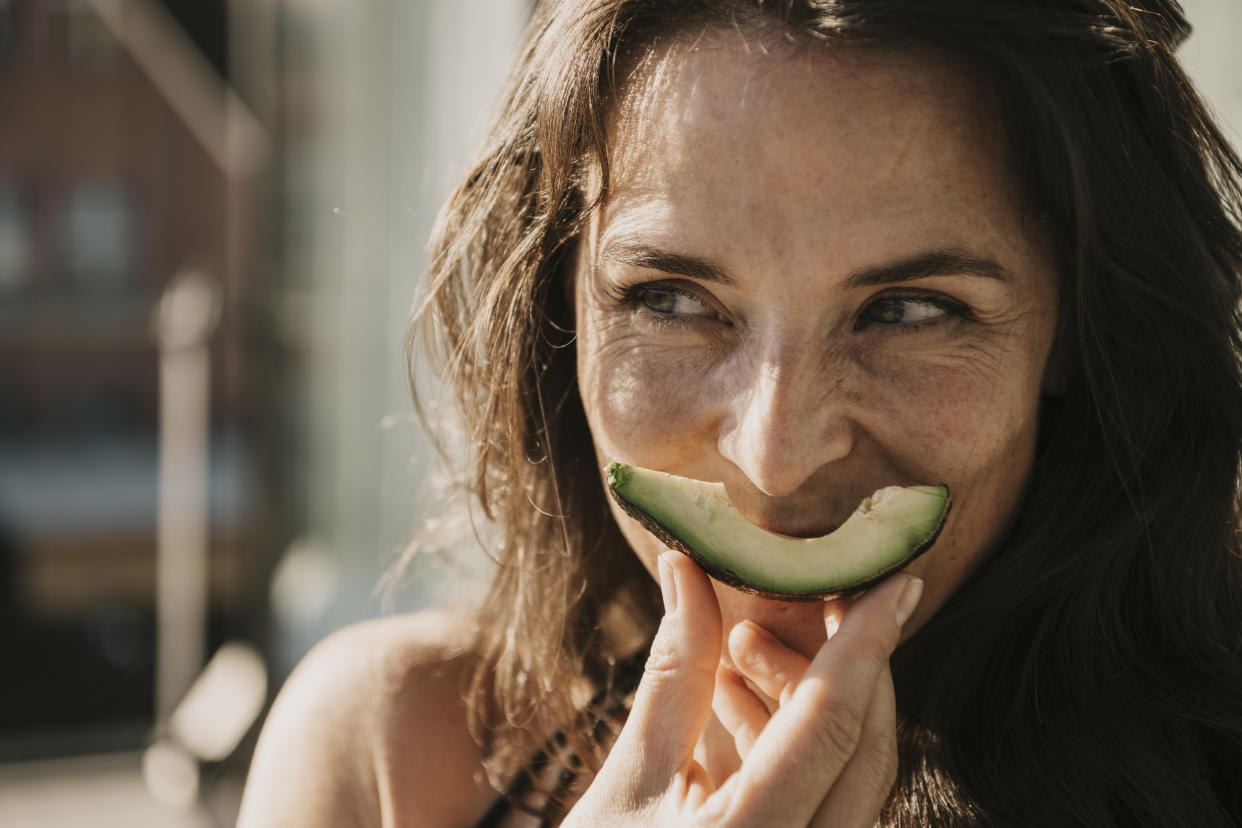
<point>888,530</point>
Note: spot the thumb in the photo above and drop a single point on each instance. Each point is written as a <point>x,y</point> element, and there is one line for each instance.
<point>674,697</point>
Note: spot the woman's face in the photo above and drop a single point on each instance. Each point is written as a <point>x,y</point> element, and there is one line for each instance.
<point>814,276</point>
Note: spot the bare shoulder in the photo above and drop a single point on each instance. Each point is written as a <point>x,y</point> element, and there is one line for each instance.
<point>370,730</point>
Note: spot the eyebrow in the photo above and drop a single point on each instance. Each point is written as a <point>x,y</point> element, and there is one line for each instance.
<point>923,265</point>
<point>666,261</point>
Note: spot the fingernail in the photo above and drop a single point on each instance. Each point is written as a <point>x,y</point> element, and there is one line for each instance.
<point>668,582</point>
<point>908,600</point>
<point>831,625</point>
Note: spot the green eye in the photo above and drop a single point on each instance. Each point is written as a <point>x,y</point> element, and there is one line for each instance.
<point>905,310</point>
<point>671,302</point>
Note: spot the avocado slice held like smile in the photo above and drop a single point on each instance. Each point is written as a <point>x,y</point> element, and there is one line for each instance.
<point>888,530</point>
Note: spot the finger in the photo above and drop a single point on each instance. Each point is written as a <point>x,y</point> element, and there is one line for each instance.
<point>808,742</point>
<point>759,656</point>
<point>674,696</point>
<point>865,784</point>
<point>738,709</point>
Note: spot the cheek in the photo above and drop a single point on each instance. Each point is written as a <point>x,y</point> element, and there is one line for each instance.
<point>646,405</point>
<point>963,412</point>
<point>975,431</point>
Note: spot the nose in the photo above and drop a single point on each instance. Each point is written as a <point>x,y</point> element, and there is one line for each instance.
<point>785,425</point>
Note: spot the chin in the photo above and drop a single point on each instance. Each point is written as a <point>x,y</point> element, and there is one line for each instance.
<point>798,625</point>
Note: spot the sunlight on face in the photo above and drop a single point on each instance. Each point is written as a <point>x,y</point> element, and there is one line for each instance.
<point>813,277</point>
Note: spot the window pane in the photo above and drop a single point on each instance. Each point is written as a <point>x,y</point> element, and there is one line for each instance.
<point>99,238</point>
<point>15,241</point>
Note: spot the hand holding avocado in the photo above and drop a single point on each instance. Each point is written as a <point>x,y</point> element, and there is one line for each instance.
<point>826,756</point>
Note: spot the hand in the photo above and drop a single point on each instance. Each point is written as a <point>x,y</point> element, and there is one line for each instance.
<point>827,756</point>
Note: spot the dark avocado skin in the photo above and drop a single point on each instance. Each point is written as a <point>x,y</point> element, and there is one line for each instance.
<point>731,579</point>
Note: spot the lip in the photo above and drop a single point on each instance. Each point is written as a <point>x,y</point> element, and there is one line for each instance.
<point>807,518</point>
<point>798,529</point>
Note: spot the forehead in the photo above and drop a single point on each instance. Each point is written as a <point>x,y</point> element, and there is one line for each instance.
<point>775,135</point>
<point>721,79</point>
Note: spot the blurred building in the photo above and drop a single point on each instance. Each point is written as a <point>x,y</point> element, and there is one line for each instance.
<point>293,152</point>
<point>114,176</point>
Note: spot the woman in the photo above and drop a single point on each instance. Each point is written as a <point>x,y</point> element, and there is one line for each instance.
<point>810,249</point>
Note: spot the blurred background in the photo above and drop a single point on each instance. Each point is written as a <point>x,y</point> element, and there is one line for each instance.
<point>212,222</point>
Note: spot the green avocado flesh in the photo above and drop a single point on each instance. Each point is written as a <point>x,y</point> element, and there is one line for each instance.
<point>887,530</point>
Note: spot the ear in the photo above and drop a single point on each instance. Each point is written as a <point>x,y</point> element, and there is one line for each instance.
<point>1062,361</point>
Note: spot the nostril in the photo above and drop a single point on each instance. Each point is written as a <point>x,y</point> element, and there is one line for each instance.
<point>779,459</point>
<point>781,430</point>
<point>766,464</point>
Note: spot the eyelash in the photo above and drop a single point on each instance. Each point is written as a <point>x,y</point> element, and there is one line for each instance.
<point>953,310</point>
<point>631,295</point>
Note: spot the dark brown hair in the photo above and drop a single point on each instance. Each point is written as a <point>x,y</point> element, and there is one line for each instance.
<point>1090,673</point>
